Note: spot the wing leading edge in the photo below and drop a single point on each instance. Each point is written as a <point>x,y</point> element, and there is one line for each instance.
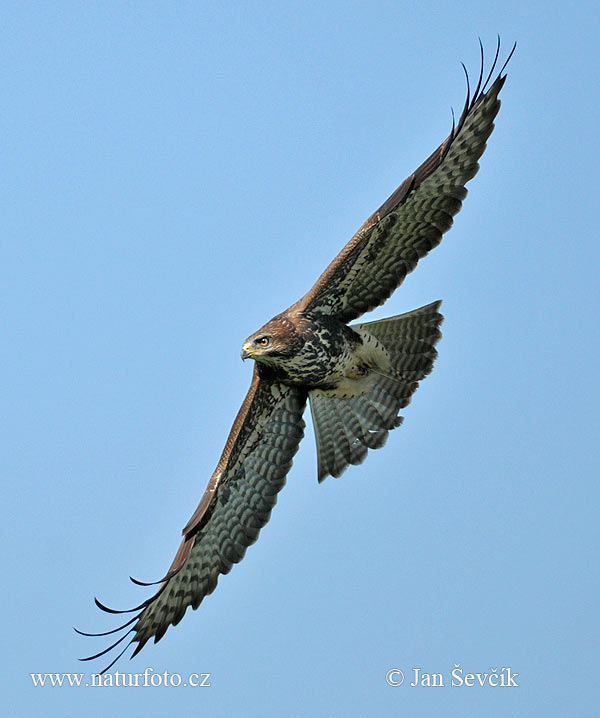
<point>413,219</point>
<point>235,506</point>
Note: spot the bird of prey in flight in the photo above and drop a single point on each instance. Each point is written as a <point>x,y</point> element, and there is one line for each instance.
<point>356,377</point>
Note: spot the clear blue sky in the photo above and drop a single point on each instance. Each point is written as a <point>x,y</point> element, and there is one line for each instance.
<point>175,173</point>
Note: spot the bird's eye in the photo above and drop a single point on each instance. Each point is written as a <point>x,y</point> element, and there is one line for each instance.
<point>263,341</point>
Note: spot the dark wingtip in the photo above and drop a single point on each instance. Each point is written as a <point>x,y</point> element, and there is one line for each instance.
<point>495,63</point>
<point>106,609</point>
<point>139,613</point>
<point>482,86</point>
<point>481,66</point>
<point>112,663</point>
<point>138,648</point>
<point>106,650</point>
<point>468,99</point>
<point>106,633</point>
<point>145,583</point>
<point>464,67</point>
<point>166,577</point>
<point>510,54</point>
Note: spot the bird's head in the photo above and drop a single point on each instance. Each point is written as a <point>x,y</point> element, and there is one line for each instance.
<point>276,340</point>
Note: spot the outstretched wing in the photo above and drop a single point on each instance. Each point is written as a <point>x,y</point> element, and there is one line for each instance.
<point>236,505</point>
<point>411,222</point>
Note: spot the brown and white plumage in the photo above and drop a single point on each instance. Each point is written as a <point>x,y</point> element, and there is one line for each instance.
<point>357,377</point>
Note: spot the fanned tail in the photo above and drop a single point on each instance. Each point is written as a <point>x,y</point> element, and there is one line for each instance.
<point>346,428</point>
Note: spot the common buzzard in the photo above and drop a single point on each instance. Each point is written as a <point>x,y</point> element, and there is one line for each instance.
<point>356,377</point>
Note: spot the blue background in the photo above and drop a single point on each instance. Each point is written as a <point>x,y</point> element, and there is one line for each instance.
<point>175,173</point>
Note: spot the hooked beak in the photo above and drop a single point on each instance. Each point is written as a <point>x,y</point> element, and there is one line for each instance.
<point>248,350</point>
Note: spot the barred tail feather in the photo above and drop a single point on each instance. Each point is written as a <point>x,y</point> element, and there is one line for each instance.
<point>346,428</point>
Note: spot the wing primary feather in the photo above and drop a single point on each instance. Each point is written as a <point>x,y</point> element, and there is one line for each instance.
<point>492,68</point>
<point>112,663</point>
<point>106,609</point>
<point>106,650</point>
<point>468,98</point>
<point>512,52</point>
<point>139,647</point>
<point>482,60</point>
<point>107,633</point>
<point>146,583</point>
<point>168,576</point>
